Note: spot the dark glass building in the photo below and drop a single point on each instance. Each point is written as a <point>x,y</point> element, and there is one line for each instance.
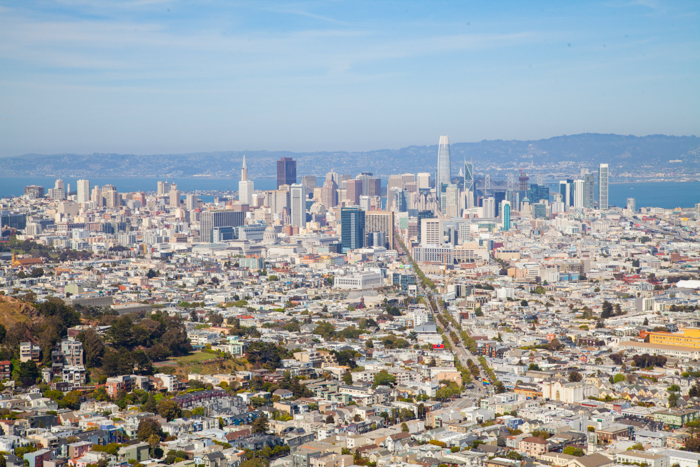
<point>286,171</point>
<point>537,193</point>
<point>352,219</point>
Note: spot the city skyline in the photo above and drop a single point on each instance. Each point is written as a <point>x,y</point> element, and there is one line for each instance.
<point>444,247</point>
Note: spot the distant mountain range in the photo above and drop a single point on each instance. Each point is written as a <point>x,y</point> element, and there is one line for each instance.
<point>659,156</point>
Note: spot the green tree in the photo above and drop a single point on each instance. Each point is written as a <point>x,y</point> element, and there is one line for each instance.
<point>148,427</point>
<point>168,409</point>
<point>292,326</point>
<point>404,427</point>
<point>673,400</point>
<point>153,440</point>
<point>347,378</point>
<point>325,330</point>
<point>572,451</point>
<point>27,373</point>
<point>121,332</point>
<point>261,424</point>
<point>515,455</point>
<point>619,378</point>
<point>499,387</point>
<point>607,310</point>
<point>265,355</point>
<point>71,400</point>
<point>150,405</point>
<point>575,377</point>
<point>384,378</point>
<point>93,348</point>
<point>345,357</point>
<point>555,345</point>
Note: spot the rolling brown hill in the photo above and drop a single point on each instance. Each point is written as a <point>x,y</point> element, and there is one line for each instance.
<point>13,311</point>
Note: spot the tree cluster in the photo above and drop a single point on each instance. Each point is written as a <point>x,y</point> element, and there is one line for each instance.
<point>646,360</point>
<point>266,355</point>
<point>609,310</point>
<point>135,345</point>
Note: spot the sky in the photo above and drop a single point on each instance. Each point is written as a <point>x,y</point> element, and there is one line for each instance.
<point>161,76</point>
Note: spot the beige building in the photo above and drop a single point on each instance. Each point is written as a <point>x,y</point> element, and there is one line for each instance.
<point>533,446</point>
<point>381,221</point>
<point>568,392</point>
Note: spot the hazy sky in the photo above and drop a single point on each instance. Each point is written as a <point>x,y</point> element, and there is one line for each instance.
<point>154,76</point>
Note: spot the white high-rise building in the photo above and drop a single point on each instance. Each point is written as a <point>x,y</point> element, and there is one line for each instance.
<point>420,317</point>
<point>191,201</point>
<point>366,203</point>
<point>163,188</point>
<point>174,196</point>
<point>423,180</point>
<point>579,191</point>
<point>332,175</point>
<point>298,201</point>
<point>395,182</point>
<point>109,192</point>
<point>96,197</point>
<point>451,201</point>
<point>246,187</point>
<point>489,207</point>
<point>432,232</point>
<point>632,204</point>
<point>603,186</point>
<point>443,165</point>
<point>83,191</point>
<point>58,191</point>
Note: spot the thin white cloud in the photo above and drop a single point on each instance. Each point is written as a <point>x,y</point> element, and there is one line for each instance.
<point>110,4</point>
<point>146,48</point>
<point>307,14</point>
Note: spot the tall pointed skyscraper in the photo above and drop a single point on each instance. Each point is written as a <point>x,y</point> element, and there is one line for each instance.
<point>443,165</point>
<point>469,181</point>
<point>244,171</point>
<point>246,187</point>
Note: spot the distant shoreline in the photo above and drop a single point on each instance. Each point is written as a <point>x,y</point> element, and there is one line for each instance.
<point>253,178</point>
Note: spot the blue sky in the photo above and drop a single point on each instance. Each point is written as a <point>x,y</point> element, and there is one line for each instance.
<point>159,76</point>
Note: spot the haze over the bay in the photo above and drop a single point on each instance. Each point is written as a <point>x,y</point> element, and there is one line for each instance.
<point>150,77</point>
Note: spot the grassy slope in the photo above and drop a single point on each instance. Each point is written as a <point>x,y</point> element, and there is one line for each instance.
<point>13,311</point>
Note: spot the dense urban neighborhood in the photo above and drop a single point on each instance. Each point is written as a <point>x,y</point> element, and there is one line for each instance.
<point>341,322</point>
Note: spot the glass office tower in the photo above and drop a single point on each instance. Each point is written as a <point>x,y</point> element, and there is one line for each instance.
<point>443,165</point>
